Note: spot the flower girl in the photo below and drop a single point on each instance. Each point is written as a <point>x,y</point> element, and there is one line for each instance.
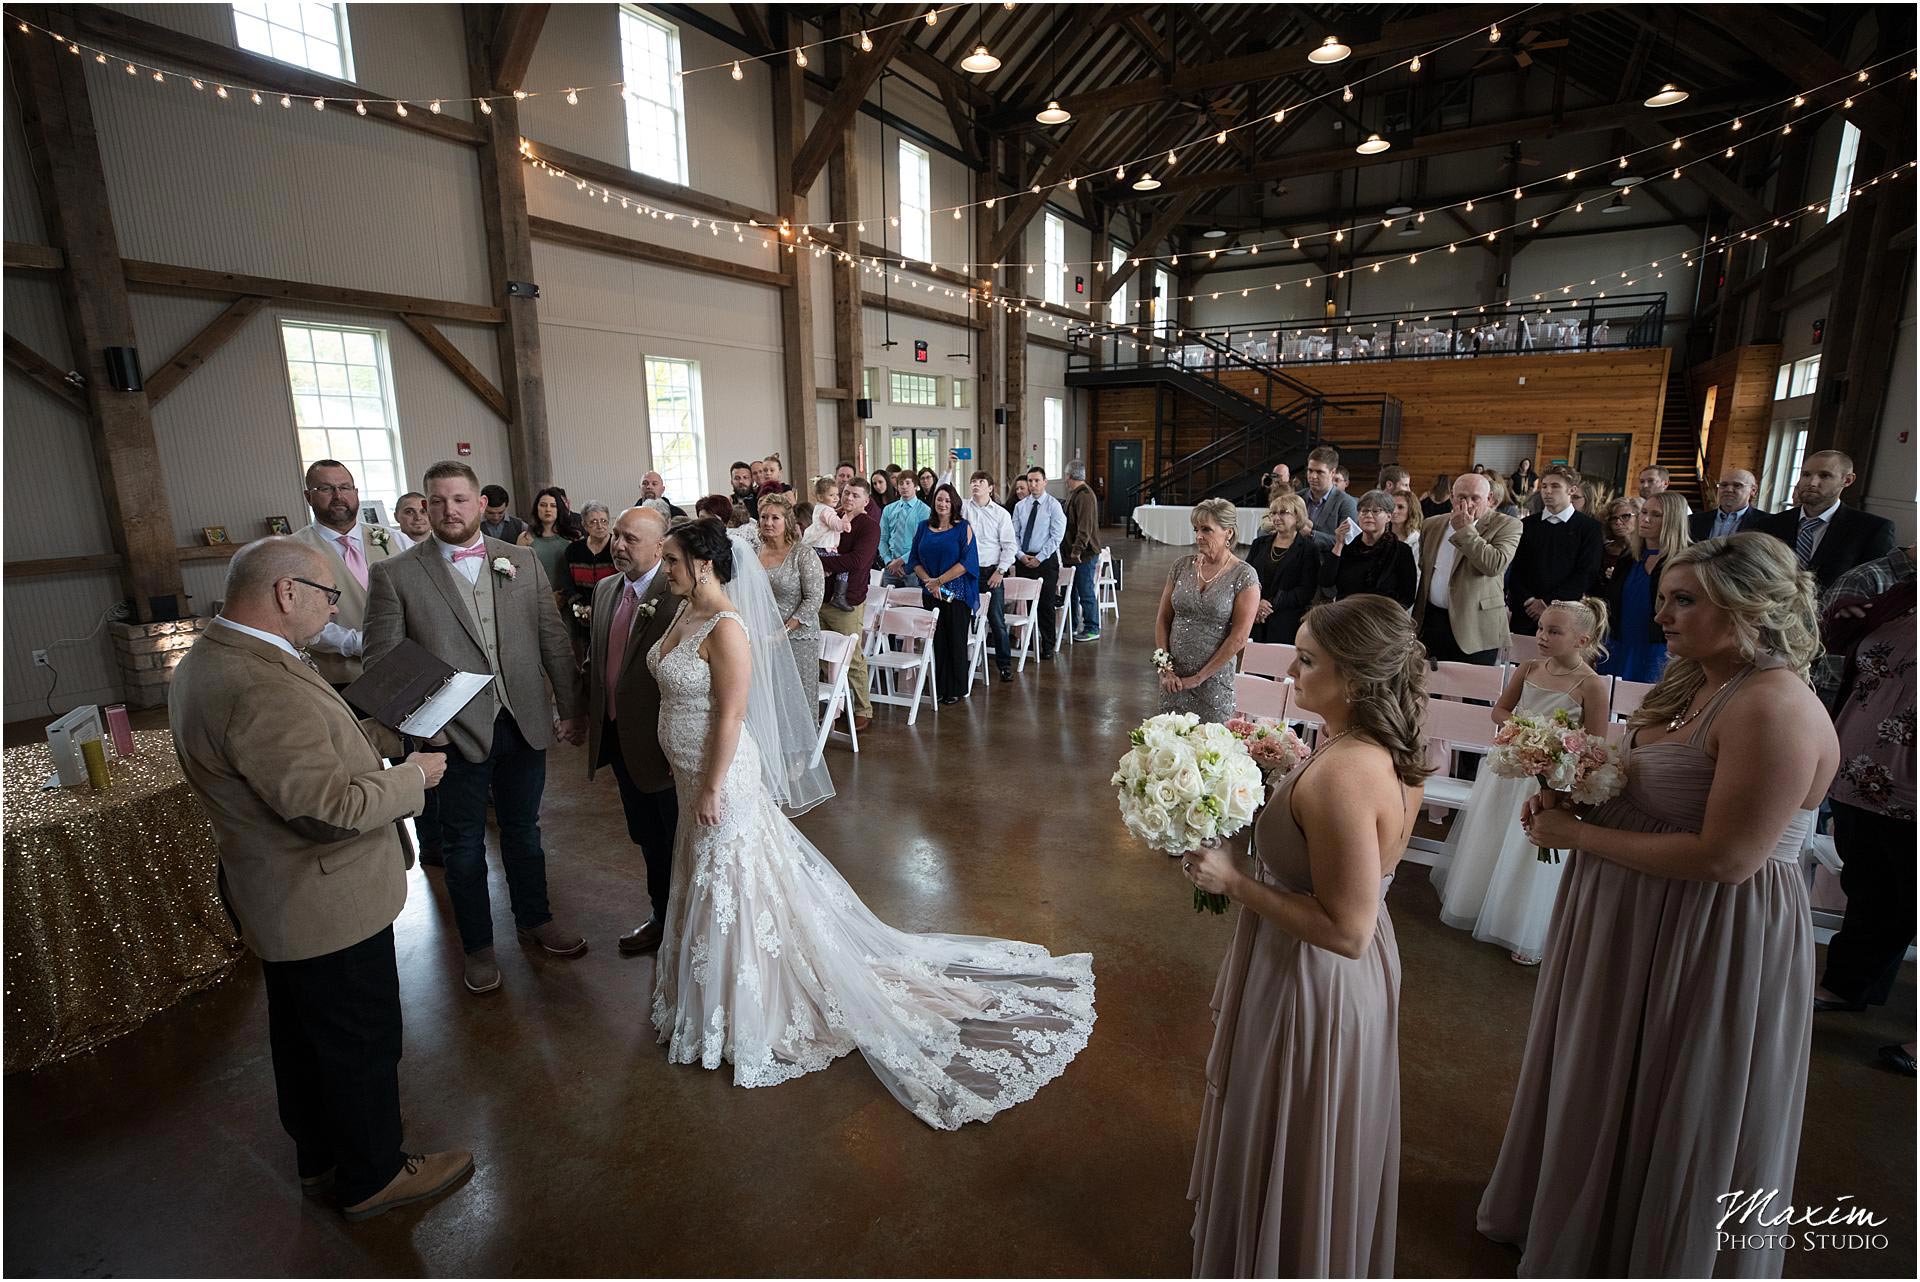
<point>823,533</point>
<point>1490,878</point>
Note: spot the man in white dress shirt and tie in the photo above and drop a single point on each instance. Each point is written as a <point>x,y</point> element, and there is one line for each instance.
<point>1039,525</point>
<point>993,540</point>
<point>336,529</point>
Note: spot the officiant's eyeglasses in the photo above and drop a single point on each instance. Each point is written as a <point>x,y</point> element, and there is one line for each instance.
<point>333,594</point>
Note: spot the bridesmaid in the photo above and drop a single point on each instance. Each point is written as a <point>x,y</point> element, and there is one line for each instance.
<point>1297,1168</point>
<point>1206,614</point>
<point>1666,1063</point>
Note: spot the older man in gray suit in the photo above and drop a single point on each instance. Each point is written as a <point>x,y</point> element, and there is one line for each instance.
<point>481,605</point>
<point>313,869</point>
<point>631,611</point>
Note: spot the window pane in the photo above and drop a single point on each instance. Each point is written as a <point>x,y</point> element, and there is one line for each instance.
<point>306,411</point>
<point>252,34</point>
<point>313,445</point>
<point>300,374</point>
<point>299,345</point>
<point>1782,381</point>
<point>360,349</point>
<point>333,379</point>
<point>288,46</point>
<point>367,412</point>
<point>327,346</point>
<point>375,445</point>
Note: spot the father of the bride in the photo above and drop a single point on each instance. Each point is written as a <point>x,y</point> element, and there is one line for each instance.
<point>631,611</point>
<point>482,605</point>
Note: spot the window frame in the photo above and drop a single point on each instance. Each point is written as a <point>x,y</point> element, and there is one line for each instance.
<point>342,31</point>
<point>1782,380</point>
<point>1806,377</point>
<point>1117,300</point>
<point>1053,434</point>
<point>920,220</point>
<point>389,406</point>
<point>1840,198</point>
<point>676,106</point>
<point>697,429</point>
<point>1053,247</point>
<point>932,389</point>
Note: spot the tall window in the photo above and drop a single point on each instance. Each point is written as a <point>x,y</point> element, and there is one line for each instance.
<point>656,111</point>
<point>1056,259</point>
<point>1806,376</point>
<point>673,422</point>
<point>1163,301</point>
<point>342,389</point>
<point>302,32</point>
<point>1053,433</point>
<point>1843,172</point>
<point>1117,305</point>
<point>916,203</point>
<point>912,389</point>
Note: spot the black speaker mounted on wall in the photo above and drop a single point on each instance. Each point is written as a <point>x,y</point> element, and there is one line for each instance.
<point>999,416</point>
<point>862,408</point>
<point>123,369</point>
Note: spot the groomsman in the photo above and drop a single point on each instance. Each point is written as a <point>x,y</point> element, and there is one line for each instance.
<point>1733,511</point>
<point>1828,539</point>
<point>1461,611</point>
<point>482,605</point>
<point>1559,553</point>
<point>410,518</point>
<point>353,547</point>
<point>631,611</point>
<point>312,869</point>
<point>1039,527</point>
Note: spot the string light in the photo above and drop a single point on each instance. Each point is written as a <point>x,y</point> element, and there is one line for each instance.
<point>1414,66</point>
<point>1493,34</point>
<point>736,73</point>
<point>1346,93</point>
<point>800,57</point>
<point>866,44</point>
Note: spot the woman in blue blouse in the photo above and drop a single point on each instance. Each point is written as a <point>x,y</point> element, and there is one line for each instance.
<point>948,567</point>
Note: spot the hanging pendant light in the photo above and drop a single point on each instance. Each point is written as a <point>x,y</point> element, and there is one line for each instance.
<point>1330,52</point>
<point>1373,146</point>
<point>1618,205</point>
<point>980,62</point>
<point>1053,113</point>
<point>1146,182</point>
<point>1667,96</point>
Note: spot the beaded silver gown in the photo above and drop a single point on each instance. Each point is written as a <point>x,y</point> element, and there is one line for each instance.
<point>798,585</point>
<point>1202,618</point>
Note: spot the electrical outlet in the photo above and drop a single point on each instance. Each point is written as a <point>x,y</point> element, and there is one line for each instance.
<point>40,659</point>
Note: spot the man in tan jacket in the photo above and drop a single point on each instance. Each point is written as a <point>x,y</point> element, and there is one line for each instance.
<point>1461,612</point>
<point>313,869</point>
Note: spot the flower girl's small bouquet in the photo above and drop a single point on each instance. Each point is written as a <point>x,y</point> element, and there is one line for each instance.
<point>1274,747</point>
<point>1185,784</point>
<point>1559,755</point>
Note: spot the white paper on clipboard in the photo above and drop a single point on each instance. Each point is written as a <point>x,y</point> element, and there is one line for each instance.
<point>430,717</point>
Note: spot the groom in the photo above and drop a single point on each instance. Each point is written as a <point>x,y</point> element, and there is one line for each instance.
<point>631,611</point>
<point>481,605</point>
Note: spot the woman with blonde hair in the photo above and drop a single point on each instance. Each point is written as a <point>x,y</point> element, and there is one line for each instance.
<point>796,578</point>
<point>1207,609</point>
<point>1639,651</point>
<point>1666,1064</point>
<point>1297,1169</point>
<point>1287,562</point>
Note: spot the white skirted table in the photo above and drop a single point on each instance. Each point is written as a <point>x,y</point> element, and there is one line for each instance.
<point>1174,525</point>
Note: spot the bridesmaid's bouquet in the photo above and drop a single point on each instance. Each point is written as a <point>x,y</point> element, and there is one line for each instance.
<point>1185,784</point>
<point>1560,756</point>
<point>1274,747</point>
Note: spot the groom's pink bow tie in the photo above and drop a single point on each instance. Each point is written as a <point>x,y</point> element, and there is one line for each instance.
<point>478,549</point>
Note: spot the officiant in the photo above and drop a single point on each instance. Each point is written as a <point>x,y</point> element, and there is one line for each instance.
<point>631,611</point>
<point>481,605</point>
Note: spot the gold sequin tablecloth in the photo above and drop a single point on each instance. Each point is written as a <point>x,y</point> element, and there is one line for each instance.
<point>112,902</point>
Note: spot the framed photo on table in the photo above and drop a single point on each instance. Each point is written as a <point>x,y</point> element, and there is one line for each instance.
<point>373,512</point>
<point>214,534</point>
<point>279,525</point>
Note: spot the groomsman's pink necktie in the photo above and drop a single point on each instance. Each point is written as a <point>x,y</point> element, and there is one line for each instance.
<point>617,635</point>
<point>350,553</point>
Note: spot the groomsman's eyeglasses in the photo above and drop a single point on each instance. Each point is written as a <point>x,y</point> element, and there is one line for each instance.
<point>333,594</point>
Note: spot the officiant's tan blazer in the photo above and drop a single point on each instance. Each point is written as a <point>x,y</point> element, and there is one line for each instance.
<point>1478,586</point>
<point>414,595</point>
<point>636,694</point>
<point>341,669</point>
<point>304,811</point>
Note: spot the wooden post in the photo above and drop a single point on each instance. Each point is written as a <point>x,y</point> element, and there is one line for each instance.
<point>990,438</point>
<point>65,154</point>
<point>1013,329</point>
<point>849,316</point>
<point>802,453</point>
<point>503,207</point>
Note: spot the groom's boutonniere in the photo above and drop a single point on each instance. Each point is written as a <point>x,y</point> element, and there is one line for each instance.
<point>647,608</point>
<point>378,536</point>
<point>503,566</point>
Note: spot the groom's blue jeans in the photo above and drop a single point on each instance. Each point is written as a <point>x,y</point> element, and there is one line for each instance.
<point>516,774</point>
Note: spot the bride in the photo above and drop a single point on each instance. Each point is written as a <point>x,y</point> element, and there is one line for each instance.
<point>769,960</point>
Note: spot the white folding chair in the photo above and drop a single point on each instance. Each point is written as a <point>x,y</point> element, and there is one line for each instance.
<point>1452,728</point>
<point>1023,617</point>
<point>1259,697</point>
<point>1450,680</point>
<point>870,635</point>
<point>1266,659</point>
<point>911,598</point>
<point>1063,613</point>
<point>1106,585</point>
<point>1628,696</point>
<point>977,643</point>
<point>1522,648</point>
<point>874,579</point>
<point>836,661</point>
<point>913,628</point>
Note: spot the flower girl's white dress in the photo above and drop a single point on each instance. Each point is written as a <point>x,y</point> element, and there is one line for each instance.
<point>1489,875</point>
<point>770,962</point>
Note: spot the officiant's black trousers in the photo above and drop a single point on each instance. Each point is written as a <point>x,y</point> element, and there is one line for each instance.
<point>334,1023</point>
<point>1048,572</point>
<point>516,775</point>
<point>653,819</point>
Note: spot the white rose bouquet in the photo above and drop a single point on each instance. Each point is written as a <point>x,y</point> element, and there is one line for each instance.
<point>1185,784</point>
<point>1559,754</point>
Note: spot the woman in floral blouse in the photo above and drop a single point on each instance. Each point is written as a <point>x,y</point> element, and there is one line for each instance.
<point>1873,801</point>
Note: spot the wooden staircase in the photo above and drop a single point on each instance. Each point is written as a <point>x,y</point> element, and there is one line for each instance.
<point>1677,448</point>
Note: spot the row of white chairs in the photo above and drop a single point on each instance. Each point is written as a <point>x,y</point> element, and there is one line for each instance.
<point>1454,681</point>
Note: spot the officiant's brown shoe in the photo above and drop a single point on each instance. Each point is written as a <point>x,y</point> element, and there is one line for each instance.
<point>556,939</point>
<point>643,940</point>
<point>421,1176</point>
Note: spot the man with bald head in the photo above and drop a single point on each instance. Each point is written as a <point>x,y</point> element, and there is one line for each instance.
<point>313,869</point>
<point>631,611</point>
<point>1733,509</point>
<point>1461,613</point>
<point>653,494</point>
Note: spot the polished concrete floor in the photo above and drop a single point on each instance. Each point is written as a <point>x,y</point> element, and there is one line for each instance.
<point>160,1154</point>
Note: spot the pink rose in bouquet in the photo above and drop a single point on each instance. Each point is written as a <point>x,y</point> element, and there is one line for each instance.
<point>1273,746</point>
<point>1559,754</point>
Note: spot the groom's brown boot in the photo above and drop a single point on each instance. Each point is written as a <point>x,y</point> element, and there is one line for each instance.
<point>556,939</point>
<point>421,1176</point>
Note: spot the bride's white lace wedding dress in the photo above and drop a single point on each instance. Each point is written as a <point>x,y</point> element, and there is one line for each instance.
<point>769,961</point>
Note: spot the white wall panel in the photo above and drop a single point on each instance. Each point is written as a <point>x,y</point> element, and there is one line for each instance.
<point>41,612</point>
<point>22,198</point>
<point>1893,491</point>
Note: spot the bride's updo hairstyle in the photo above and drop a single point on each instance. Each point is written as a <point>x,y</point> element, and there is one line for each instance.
<point>1371,643</point>
<point>1770,601</point>
<point>705,539</point>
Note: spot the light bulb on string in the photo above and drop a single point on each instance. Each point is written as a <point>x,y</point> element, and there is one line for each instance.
<point>933,17</point>
<point>1172,159</point>
<point>800,57</point>
<point>866,43</point>
<point>1220,137</point>
<point>1493,34</point>
<point>1346,93</point>
<point>1799,100</point>
<point>319,104</point>
<point>1414,66</point>
<point>1279,115</point>
<point>1737,126</point>
<point>736,73</point>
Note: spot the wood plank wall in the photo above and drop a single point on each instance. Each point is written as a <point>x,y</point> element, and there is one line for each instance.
<point>1742,407</point>
<point>1447,403</point>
